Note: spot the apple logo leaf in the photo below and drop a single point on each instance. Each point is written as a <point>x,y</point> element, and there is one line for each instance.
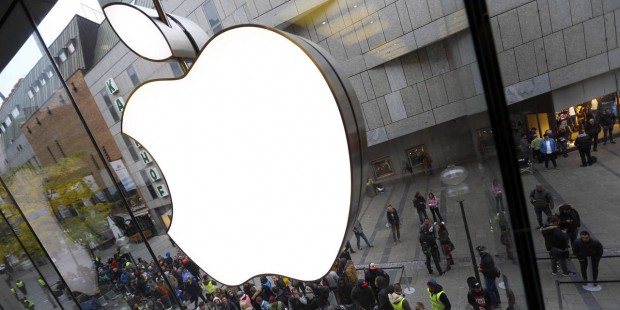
<point>261,142</point>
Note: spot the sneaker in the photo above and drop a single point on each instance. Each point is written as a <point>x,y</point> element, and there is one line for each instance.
<point>434,223</point>
<point>554,273</point>
<point>370,246</point>
<point>442,222</point>
<point>569,274</point>
<point>596,284</point>
<point>430,272</point>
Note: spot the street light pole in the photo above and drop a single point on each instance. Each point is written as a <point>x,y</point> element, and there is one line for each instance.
<point>471,247</point>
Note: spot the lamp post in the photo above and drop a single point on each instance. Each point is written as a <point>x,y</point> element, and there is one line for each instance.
<point>454,177</point>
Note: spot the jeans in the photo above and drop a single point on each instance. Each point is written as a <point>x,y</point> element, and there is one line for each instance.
<point>555,261</point>
<point>434,254</point>
<point>586,158</point>
<point>422,215</point>
<point>435,211</point>
<point>363,236</point>
<point>499,203</point>
<point>396,231</point>
<point>548,157</point>
<point>491,287</point>
<point>594,138</point>
<point>564,147</point>
<point>539,212</point>
<point>583,263</point>
<point>607,131</point>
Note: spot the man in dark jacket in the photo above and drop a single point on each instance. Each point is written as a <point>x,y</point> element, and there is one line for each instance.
<point>384,291</point>
<point>570,221</point>
<point>477,297</point>
<point>344,292</point>
<point>583,144</point>
<point>363,296</point>
<point>431,250</point>
<point>556,242</point>
<point>587,247</point>
<point>370,275</point>
<point>490,273</point>
<point>439,299</point>
<point>297,301</point>
<point>608,120</point>
<point>542,202</point>
<point>592,128</point>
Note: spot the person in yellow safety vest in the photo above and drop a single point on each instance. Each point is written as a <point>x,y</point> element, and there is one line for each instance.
<point>208,285</point>
<point>14,292</point>
<point>41,282</point>
<point>21,286</point>
<point>27,303</point>
<point>439,299</point>
<point>397,299</point>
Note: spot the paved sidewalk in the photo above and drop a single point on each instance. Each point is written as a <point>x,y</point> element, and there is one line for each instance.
<point>594,191</point>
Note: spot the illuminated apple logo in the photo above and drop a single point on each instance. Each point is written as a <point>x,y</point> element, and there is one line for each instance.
<point>261,147</point>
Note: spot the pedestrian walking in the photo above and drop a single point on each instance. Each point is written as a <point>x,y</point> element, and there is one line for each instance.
<point>446,245</point>
<point>21,286</point>
<point>420,205</point>
<point>535,147</point>
<point>433,205</point>
<point>542,201</point>
<point>586,247</point>
<point>394,221</point>
<point>439,299</point>
<point>608,119</point>
<point>490,272</point>
<point>430,250</point>
<point>583,144</point>
<point>359,233</point>
<point>593,128</point>
<point>498,195</point>
<point>506,237</point>
<point>549,149</point>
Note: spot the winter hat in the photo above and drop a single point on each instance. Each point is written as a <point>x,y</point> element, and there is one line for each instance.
<point>272,299</point>
<point>215,299</point>
<point>372,266</point>
<point>432,282</point>
<point>481,248</point>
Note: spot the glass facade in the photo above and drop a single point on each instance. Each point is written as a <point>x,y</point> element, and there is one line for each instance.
<point>455,104</point>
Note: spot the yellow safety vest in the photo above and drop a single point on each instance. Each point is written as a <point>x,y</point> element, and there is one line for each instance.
<point>41,282</point>
<point>209,287</point>
<point>435,302</point>
<point>13,291</point>
<point>20,283</point>
<point>398,305</point>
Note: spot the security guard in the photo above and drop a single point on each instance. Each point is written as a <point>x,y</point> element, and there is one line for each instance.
<point>439,299</point>
<point>42,283</point>
<point>21,286</point>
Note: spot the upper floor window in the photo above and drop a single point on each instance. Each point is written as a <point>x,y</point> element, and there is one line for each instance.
<point>62,56</point>
<point>49,73</point>
<point>15,112</point>
<point>133,76</point>
<point>42,82</point>
<point>110,105</point>
<point>36,88</point>
<point>71,46</point>
<point>212,16</point>
<point>30,94</point>
<point>176,69</point>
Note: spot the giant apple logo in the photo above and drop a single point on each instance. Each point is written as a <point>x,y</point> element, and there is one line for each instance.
<point>260,144</point>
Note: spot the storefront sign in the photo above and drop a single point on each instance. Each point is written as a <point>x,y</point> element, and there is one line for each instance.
<point>162,191</point>
<point>146,157</point>
<point>154,174</point>
<point>110,85</point>
<point>120,104</point>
